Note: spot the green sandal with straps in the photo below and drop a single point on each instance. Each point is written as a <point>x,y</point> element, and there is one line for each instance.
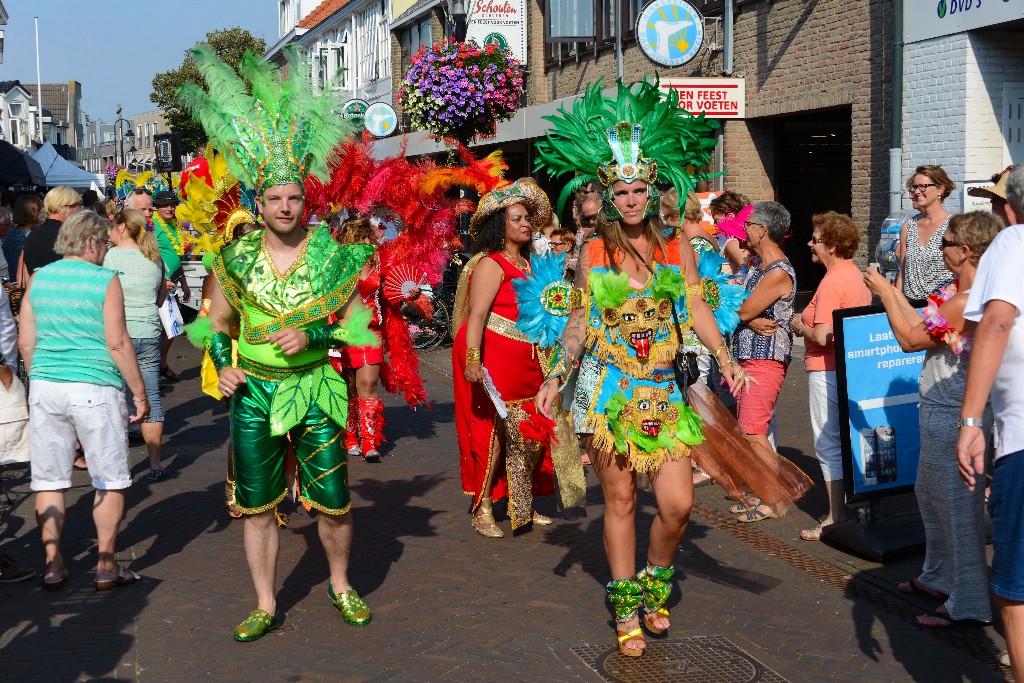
<point>656,585</point>
<point>626,596</point>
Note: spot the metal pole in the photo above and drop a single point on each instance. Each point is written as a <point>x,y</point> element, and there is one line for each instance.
<point>896,122</point>
<point>727,51</point>
<point>39,86</point>
<point>618,39</point>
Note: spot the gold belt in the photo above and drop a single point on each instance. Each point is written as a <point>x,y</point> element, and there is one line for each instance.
<point>506,328</point>
<point>269,373</point>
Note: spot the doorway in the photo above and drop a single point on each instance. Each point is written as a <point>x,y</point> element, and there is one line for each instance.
<point>813,162</point>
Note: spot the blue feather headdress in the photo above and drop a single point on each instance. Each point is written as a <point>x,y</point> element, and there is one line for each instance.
<point>723,297</point>
<point>543,300</point>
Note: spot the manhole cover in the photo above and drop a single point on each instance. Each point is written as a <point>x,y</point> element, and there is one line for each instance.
<point>701,659</point>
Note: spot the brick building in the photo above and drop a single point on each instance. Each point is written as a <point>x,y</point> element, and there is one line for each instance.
<point>818,123</point>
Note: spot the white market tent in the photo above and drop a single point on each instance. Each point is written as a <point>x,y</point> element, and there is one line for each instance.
<point>59,171</point>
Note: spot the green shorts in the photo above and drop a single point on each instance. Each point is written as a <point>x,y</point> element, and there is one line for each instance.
<point>259,457</point>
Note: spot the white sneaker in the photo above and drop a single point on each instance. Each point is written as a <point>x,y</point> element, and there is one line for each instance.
<point>354,451</point>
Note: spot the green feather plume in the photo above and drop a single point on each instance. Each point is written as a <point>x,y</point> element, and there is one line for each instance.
<point>200,332</point>
<point>270,126</point>
<point>578,139</point>
<point>357,328</point>
<point>668,284</point>
<point>689,429</point>
<point>610,289</point>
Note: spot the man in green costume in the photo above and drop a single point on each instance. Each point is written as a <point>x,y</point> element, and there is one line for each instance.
<point>282,282</point>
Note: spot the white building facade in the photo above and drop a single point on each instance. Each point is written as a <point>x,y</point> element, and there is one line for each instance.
<point>349,42</point>
<point>18,116</point>
<point>963,90</point>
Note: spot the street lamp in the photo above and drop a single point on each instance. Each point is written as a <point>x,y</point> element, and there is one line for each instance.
<point>120,132</point>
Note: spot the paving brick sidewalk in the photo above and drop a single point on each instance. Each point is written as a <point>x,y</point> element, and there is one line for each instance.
<point>447,604</point>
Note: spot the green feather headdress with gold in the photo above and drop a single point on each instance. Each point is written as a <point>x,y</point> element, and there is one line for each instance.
<point>271,127</point>
<point>641,134</point>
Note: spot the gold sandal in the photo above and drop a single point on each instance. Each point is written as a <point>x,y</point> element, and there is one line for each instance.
<point>484,522</point>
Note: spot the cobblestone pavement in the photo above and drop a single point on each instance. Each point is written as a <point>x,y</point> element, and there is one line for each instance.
<point>448,604</point>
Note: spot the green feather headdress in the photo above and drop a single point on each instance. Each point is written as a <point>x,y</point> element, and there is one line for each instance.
<point>598,139</point>
<point>273,131</point>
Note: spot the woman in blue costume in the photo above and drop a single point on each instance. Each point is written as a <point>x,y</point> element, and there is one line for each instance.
<point>638,281</point>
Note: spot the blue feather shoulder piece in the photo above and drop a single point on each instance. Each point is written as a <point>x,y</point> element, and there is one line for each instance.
<point>723,297</point>
<point>543,299</point>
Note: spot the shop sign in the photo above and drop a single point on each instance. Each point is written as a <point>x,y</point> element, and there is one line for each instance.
<point>498,22</point>
<point>354,108</point>
<point>670,32</point>
<point>718,98</point>
<point>381,119</point>
<point>879,405</point>
<point>924,19</point>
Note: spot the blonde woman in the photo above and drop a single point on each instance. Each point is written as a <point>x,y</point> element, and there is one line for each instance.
<point>135,258</point>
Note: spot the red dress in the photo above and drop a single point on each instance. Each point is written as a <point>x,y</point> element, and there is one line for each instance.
<point>358,356</point>
<point>514,366</point>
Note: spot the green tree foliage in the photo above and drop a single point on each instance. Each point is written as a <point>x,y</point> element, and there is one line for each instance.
<point>230,44</point>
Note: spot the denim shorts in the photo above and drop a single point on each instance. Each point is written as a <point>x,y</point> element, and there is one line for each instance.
<point>147,351</point>
<point>1006,507</point>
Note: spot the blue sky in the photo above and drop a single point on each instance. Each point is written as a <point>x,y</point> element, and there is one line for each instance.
<point>114,48</point>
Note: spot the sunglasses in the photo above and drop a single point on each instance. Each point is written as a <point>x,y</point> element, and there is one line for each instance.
<point>588,220</point>
<point>947,243</point>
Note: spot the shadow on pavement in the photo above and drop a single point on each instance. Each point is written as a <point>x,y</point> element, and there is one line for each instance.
<point>378,528</point>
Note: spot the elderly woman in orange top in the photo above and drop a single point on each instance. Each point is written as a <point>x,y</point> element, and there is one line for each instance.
<point>833,243</point>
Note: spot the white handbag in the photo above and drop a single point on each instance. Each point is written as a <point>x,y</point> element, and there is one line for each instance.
<point>14,428</point>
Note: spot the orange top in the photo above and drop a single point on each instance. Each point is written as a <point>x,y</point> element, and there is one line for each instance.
<point>842,287</point>
<point>599,256</point>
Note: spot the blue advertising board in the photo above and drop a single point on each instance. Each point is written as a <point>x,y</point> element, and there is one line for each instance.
<point>878,405</point>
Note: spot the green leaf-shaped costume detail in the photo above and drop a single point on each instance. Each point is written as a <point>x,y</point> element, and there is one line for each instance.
<point>330,392</point>
<point>291,402</point>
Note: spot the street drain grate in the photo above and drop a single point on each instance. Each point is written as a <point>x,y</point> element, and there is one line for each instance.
<point>701,659</point>
<point>852,588</point>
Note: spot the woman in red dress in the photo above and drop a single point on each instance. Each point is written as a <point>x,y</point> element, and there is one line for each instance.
<point>361,365</point>
<point>494,456</point>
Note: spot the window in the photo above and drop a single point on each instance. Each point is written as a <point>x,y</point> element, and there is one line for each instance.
<point>412,38</point>
<point>16,131</point>
<point>368,25</point>
<point>383,47</point>
<point>604,28</point>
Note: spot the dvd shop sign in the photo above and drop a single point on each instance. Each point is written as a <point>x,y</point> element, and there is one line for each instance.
<point>716,98</point>
<point>924,19</point>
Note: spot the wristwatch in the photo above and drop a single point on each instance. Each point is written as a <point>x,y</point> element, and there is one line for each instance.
<point>970,422</point>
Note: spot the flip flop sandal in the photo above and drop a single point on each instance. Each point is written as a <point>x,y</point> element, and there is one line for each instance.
<point>58,584</point>
<point>915,587</point>
<point>755,515</point>
<point>123,578</point>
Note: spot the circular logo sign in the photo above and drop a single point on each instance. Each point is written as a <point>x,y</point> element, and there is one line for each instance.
<point>355,108</point>
<point>497,40</point>
<point>381,119</point>
<point>670,32</point>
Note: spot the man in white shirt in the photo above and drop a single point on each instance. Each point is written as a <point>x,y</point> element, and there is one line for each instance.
<point>997,367</point>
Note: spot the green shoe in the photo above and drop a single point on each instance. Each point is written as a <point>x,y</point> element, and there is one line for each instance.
<point>351,605</point>
<point>257,624</point>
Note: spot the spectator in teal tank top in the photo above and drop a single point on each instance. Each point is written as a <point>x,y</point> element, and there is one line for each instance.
<point>135,257</point>
<point>78,353</point>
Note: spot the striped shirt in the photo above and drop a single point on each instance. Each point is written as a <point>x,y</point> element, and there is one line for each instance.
<point>71,343</point>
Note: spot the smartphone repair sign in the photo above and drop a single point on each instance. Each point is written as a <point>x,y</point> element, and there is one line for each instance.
<point>879,405</point>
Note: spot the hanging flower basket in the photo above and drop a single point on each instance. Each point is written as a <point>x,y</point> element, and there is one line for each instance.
<point>111,171</point>
<point>460,90</point>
